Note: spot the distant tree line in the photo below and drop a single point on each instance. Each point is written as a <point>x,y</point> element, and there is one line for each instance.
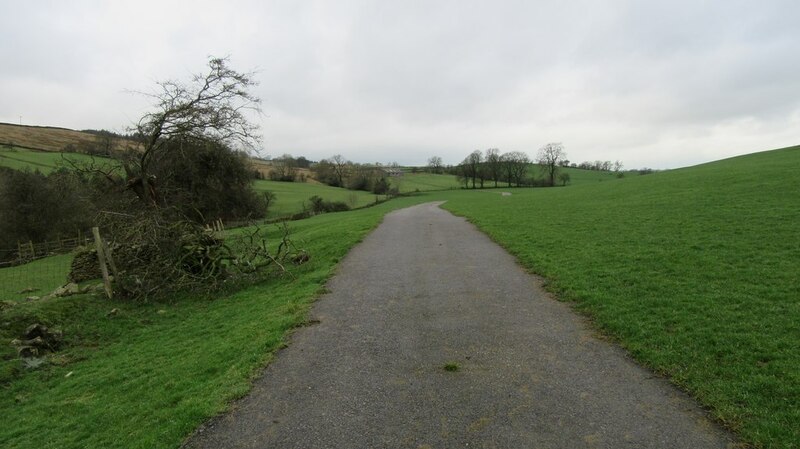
<point>286,168</point>
<point>615,166</point>
<point>490,168</point>
<point>337,171</point>
<point>480,169</point>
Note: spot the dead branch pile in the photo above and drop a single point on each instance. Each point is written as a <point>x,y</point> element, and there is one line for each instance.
<point>156,256</point>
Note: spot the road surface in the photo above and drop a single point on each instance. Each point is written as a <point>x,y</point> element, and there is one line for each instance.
<point>427,290</point>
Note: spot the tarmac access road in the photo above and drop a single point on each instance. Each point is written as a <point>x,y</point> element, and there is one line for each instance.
<point>427,290</point>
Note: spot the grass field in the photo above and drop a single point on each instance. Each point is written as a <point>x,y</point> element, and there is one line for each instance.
<point>43,275</point>
<point>146,376</point>
<point>695,271</point>
<point>579,176</point>
<point>290,196</point>
<point>45,162</point>
<point>424,182</point>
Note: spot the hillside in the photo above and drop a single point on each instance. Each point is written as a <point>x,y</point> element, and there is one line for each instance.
<point>695,271</point>
<point>44,161</point>
<point>46,138</point>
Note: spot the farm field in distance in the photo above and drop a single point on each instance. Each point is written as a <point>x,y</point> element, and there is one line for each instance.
<point>48,138</point>
<point>424,182</point>
<point>290,196</point>
<point>44,161</point>
<point>694,271</point>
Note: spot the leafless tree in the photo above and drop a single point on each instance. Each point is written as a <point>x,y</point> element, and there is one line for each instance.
<point>514,166</point>
<point>494,165</point>
<point>340,168</point>
<point>435,164</point>
<point>211,107</point>
<point>472,166</point>
<point>284,168</point>
<point>548,158</point>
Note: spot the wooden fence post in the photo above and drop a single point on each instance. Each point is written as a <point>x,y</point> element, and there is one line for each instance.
<point>110,259</point>
<point>101,257</point>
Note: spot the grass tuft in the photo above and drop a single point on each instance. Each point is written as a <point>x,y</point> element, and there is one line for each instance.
<point>451,367</point>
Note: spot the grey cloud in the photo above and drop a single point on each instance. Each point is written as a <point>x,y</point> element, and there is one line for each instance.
<point>652,83</point>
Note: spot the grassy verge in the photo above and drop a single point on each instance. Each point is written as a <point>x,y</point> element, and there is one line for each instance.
<point>146,375</point>
<point>695,271</point>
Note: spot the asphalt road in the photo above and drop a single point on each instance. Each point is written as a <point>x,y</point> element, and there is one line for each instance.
<point>424,290</point>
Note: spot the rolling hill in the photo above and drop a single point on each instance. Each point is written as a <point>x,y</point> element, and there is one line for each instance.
<point>695,271</point>
<point>47,138</point>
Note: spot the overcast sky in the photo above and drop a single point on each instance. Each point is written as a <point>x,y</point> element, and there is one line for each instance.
<point>657,84</point>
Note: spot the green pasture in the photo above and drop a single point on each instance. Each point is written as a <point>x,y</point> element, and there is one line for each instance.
<point>290,196</point>
<point>579,176</point>
<point>44,161</point>
<point>695,271</point>
<point>41,276</point>
<point>424,182</point>
<point>146,375</point>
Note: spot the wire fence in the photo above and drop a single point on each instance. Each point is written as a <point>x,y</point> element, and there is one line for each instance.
<point>36,269</point>
<point>36,278</point>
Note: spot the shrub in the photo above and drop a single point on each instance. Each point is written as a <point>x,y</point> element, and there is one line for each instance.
<point>320,206</point>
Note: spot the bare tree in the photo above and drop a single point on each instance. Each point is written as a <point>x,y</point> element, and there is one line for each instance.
<point>211,107</point>
<point>435,164</point>
<point>461,174</point>
<point>494,165</point>
<point>472,166</point>
<point>618,166</point>
<point>548,158</point>
<point>284,168</point>
<point>514,166</point>
<point>340,168</point>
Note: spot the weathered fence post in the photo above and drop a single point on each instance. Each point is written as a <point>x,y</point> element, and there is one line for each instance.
<point>110,259</point>
<point>101,257</point>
